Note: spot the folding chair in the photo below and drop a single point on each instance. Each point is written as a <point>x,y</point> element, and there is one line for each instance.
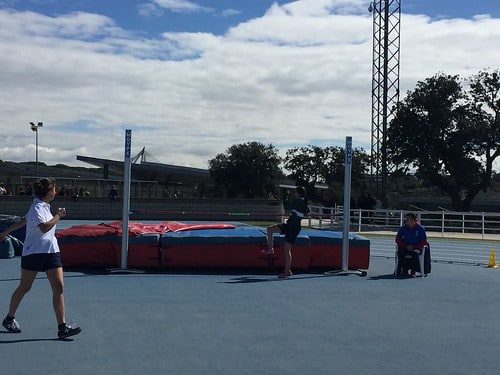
<point>421,259</point>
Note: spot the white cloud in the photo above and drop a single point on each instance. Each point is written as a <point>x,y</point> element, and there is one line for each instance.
<point>230,12</point>
<point>323,8</point>
<point>149,10</point>
<point>77,25</point>
<point>181,6</point>
<point>157,8</point>
<point>299,74</point>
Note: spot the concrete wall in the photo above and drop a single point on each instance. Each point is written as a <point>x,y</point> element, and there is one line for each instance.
<point>154,209</point>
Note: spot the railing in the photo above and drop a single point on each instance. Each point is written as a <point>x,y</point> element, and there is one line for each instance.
<point>443,222</point>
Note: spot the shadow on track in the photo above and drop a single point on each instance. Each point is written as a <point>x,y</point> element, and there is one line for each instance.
<point>253,279</point>
<point>30,340</point>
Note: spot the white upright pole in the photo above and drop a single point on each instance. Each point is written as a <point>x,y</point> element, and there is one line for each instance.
<point>126,198</point>
<point>347,215</point>
<point>347,204</point>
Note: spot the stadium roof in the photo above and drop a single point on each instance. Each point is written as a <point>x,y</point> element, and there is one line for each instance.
<point>173,174</point>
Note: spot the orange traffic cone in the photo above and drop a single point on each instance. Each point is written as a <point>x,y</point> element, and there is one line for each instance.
<point>492,263</point>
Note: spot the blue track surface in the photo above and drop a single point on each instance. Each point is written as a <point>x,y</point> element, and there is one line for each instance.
<point>252,323</point>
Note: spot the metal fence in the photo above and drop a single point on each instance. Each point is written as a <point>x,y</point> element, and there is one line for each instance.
<point>480,224</point>
<point>453,235</point>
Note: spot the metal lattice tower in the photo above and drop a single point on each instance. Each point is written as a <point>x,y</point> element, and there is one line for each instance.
<point>385,84</point>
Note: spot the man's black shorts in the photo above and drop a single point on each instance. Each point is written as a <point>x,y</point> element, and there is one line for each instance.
<point>290,231</point>
<point>41,262</point>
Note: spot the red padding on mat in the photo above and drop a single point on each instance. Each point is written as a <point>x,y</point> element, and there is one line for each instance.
<point>330,256</point>
<point>89,230</point>
<point>143,251</point>
<point>99,251</point>
<point>214,255</point>
<point>176,226</point>
<point>301,256</point>
<point>136,228</point>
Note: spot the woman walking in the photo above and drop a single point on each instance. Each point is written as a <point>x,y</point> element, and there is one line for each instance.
<point>40,254</point>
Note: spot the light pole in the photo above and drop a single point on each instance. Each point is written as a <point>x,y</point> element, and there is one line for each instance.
<point>35,127</point>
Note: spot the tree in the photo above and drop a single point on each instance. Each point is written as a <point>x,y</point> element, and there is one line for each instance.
<point>312,164</point>
<point>249,170</point>
<point>450,136</point>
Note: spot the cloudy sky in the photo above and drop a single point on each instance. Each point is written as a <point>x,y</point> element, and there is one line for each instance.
<point>191,78</point>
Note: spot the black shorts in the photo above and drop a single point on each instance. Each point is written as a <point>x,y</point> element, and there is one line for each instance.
<point>290,231</point>
<point>41,262</point>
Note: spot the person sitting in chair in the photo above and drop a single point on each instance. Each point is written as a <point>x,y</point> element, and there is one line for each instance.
<point>411,239</point>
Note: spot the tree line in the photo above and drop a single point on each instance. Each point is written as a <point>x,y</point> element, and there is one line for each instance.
<point>445,133</point>
<point>253,170</point>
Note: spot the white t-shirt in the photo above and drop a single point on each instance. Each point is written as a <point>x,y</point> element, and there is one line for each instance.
<point>37,242</point>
